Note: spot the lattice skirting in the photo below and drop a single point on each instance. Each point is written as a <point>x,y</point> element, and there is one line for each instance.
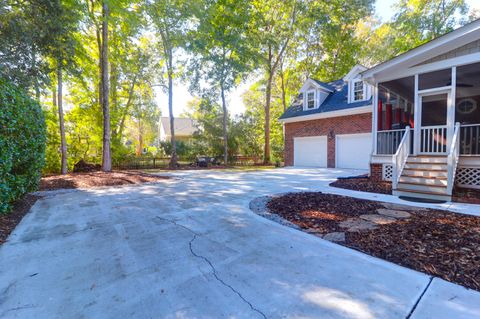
<point>387,172</point>
<point>468,177</point>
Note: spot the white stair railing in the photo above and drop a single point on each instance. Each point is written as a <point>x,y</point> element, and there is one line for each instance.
<point>400,157</point>
<point>452,160</point>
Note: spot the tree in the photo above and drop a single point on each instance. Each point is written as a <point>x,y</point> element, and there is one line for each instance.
<point>170,19</point>
<point>223,50</point>
<point>275,26</point>
<point>106,155</point>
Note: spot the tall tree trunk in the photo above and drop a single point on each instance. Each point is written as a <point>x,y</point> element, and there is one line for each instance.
<point>63,141</point>
<point>225,135</point>
<point>282,87</point>
<point>173,159</point>
<point>268,94</point>
<point>106,156</point>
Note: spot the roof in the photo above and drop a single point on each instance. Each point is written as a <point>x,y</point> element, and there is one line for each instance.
<point>336,101</point>
<point>435,47</point>
<point>183,126</point>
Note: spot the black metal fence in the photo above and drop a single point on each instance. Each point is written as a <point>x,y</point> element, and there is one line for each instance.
<point>163,162</point>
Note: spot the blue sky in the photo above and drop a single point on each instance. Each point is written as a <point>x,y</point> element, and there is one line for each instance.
<point>383,9</point>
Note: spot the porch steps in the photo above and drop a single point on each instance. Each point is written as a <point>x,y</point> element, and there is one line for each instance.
<point>424,177</point>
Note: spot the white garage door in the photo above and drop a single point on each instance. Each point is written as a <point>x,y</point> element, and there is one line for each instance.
<point>353,150</point>
<point>310,151</point>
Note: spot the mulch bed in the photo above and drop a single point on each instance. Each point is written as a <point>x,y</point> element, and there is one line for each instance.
<point>8,222</point>
<point>95,179</point>
<point>460,195</point>
<point>439,243</point>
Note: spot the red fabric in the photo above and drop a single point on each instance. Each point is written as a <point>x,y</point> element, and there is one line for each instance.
<point>398,115</point>
<point>379,116</point>
<point>388,116</point>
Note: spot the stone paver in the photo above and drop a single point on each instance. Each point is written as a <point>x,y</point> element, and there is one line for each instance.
<point>356,224</point>
<point>393,213</point>
<point>335,237</point>
<point>378,219</point>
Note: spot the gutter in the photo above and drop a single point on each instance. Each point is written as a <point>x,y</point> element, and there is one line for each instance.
<point>324,115</point>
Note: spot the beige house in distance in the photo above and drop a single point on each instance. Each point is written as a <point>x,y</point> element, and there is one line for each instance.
<point>184,129</point>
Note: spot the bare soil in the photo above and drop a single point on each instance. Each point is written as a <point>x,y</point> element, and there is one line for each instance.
<point>439,243</point>
<point>9,221</point>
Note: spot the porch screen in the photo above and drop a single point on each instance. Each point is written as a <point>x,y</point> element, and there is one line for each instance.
<point>395,104</point>
<point>467,108</point>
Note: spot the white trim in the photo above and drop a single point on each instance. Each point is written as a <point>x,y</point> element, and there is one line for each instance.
<point>375,119</point>
<point>314,83</point>
<point>305,105</point>
<point>324,115</point>
<point>356,70</point>
<point>417,118</point>
<point>452,40</point>
<point>364,90</point>
<point>437,90</point>
<point>430,67</point>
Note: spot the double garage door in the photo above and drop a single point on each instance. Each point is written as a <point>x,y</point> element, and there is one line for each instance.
<point>352,151</point>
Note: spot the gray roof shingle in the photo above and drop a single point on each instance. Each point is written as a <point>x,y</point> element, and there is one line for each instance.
<point>336,101</point>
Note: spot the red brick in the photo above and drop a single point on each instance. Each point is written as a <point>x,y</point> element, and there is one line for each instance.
<point>351,124</point>
<point>376,172</point>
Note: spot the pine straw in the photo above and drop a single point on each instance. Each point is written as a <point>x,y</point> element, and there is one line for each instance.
<point>439,243</point>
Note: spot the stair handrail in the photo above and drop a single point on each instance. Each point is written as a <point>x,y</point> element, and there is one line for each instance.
<point>453,157</point>
<point>400,157</point>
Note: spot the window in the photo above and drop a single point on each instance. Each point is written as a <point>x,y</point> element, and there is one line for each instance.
<point>358,94</point>
<point>310,99</point>
<point>466,106</point>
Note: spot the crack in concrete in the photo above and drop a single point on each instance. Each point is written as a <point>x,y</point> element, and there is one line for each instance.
<point>420,298</point>
<point>214,270</point>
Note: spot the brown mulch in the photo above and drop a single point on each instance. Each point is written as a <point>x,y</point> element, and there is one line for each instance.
<point>365,184</point>
<point>439,243</point>
<point>9,221</point>
<point>95,179</point>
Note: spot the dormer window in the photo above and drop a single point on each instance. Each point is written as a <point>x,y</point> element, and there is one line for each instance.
<point>358,91</point>
<point>310,99</point>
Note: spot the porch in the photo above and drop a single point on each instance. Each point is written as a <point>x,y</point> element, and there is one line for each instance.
<point>430,122</point>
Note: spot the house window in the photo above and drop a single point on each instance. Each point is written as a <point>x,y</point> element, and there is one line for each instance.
<point>358,94</point>
<point>310,99</point>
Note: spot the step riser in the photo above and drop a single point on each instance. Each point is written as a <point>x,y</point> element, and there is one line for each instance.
<point>428,196</point>
<point>423,188</point>
<point>427,160</point>
<point>419,173</point>
<point>423,181</point>
<point>424,166</point>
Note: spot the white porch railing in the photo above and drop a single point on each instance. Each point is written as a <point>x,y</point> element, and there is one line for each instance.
<point>470,139</point>
<point>388,141</point>
<point>433,139</point>
<point>400,157</point>
<point>452,159</point>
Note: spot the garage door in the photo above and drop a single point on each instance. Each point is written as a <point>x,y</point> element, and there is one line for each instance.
<point>353,150</point>
<point>310,151</point>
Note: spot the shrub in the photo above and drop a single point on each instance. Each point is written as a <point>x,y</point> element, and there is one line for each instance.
<point>22,144</point>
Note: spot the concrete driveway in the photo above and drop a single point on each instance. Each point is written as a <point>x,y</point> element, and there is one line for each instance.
<point>191,248</point>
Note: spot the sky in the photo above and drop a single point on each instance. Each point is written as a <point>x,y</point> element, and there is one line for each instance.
<point>181,96</point>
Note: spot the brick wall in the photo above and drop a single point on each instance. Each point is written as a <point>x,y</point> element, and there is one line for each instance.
<point>359,123</point>
<point>376,172</point>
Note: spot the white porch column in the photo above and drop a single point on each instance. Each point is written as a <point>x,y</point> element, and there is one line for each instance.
<point>451,109</point>
<point>374,118</point>
<point>417,119</point>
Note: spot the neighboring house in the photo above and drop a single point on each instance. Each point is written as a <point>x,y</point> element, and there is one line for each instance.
<point>330,124</point>
<point>184,129</point>
<point>425,119</point>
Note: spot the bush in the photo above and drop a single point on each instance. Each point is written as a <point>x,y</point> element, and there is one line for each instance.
<point>22,144</point>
